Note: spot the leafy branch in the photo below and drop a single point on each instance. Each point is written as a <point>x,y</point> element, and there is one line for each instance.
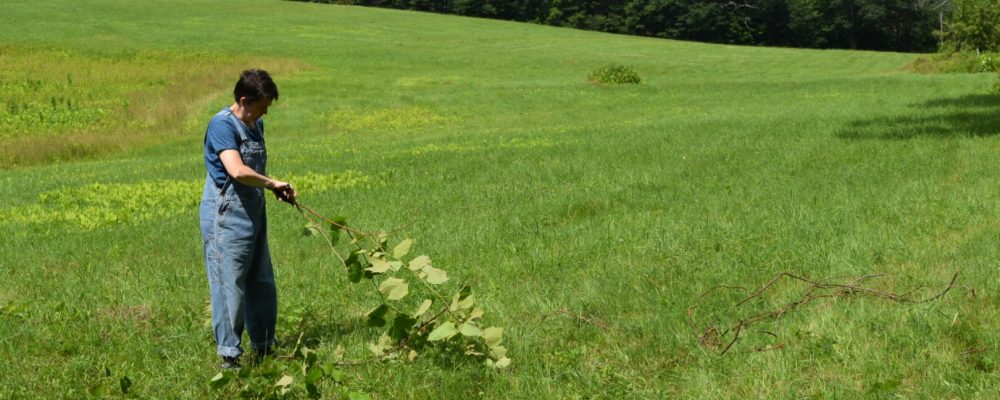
<point>457,320</point>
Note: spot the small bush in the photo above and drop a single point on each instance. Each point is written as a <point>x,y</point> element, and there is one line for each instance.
<point>614,74</point>
<point>957,62</point>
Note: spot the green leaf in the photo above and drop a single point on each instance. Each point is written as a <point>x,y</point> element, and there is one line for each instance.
<point>395,265</point>
<point>467,302</point>
<point>470,330</point>
<point>426,305</point>
<point>124,383</point>
<point>419,263</point>
<point>401,327</point>
<point>442,332</point>
<point>402,248</point>
<point>384,343</point>
<point>314,375</point>
<point>376,317</point>
<point>338,220</point>
<point>311,230</point>
<point>378,265</point>
<point>493,336</point>
<point>312,391</point>
<point>462,299</point>
<point>220,379</point>
<point>285,381</point>
<point>355,270</point>
<point>502,363</point>
<point>476,313</point>
<point>433,275</point>
<point>334,373</point>
<point>358,396</point>
<point>498,352</point>
<point>394,288</point>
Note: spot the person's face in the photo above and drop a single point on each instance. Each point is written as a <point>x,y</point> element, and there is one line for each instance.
<point>253,111</point>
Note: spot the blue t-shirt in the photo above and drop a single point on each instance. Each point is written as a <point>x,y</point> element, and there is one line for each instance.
<point>223,134</point>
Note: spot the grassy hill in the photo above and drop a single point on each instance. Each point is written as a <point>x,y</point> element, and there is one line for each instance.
<point>590,218</point>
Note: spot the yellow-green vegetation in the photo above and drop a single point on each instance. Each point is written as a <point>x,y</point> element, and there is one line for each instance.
<point>61,103</point>
<point>587,218</point>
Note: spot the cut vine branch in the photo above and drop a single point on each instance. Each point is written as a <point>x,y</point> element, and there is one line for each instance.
<point>721,338</point>
<point>455,321</point>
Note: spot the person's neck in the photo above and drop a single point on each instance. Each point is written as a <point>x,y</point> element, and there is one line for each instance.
<point>240,115</point>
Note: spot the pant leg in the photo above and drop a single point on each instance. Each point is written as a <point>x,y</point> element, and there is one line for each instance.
<point>262,299</point>
<point>229,253</point>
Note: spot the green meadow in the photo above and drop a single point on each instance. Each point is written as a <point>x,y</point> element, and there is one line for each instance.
<point>587,218</point>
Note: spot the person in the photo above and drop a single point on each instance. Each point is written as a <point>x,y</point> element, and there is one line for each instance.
<point>234,221</point>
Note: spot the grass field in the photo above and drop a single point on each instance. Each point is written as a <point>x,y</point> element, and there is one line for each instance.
<point>588,217</point>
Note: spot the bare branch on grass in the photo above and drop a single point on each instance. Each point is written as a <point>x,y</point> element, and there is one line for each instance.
<point>714,338</point>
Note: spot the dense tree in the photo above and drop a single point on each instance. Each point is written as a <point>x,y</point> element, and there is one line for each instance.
<point>901,25</point>
<point>972,25</point>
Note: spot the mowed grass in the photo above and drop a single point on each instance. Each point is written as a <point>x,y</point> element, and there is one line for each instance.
<point>589,218</point>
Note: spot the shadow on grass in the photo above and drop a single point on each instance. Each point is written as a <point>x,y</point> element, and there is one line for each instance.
<point>966,116</point>
<point>323,330</point>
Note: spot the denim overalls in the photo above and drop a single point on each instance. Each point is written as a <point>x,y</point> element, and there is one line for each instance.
<point>237,259</point>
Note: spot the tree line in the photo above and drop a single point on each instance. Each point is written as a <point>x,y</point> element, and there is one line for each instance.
<point>896,25</point>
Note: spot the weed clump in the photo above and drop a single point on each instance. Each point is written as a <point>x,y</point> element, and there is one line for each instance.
<point>615,74</point>
<point>956,62</point>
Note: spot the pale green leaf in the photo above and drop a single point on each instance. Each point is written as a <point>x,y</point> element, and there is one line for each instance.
<point>384,343</point>
<point>442,332</point>
<point>419,263</point>
<point>476,313</point>
<point>395,265</point>
<point>467,302</point>
<point>435,276</point>
<point>394,288</point>
<point>311,230</point>
<point>426,305</point>
<point>502,363</point>
<point>493,336</point>
<point>470,330</point>
<point>402,248</point>
<point>220,380</point>
<point>378,265</point>
<point>454,302</point>
<point>498,352</point>
<point>285,381</point>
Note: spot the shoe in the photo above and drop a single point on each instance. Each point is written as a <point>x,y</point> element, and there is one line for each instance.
<point>231,363</point>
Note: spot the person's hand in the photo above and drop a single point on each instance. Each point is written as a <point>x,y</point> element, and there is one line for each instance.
<point>283,191</point>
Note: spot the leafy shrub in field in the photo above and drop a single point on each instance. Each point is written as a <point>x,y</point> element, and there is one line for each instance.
<point>614,74</point>
<point>957,62</point>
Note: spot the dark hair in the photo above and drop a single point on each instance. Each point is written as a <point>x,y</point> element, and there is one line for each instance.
<point>255,84</point>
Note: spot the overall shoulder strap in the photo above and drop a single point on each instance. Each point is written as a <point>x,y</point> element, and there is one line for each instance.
<point>239,126</point>
<point>243,138</point>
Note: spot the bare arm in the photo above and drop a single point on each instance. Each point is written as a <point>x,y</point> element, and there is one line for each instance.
<point>243,174</point>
